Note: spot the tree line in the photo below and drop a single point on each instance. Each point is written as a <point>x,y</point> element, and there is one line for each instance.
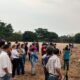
<point>40,34</point>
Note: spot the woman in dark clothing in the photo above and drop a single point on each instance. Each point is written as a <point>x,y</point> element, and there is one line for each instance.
<point>26,48</point>
<point>37,46</point>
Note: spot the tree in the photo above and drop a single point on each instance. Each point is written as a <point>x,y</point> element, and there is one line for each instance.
<point>52,36</point>
<point>29,36</point>
<point>45,35</point>
<point>41,33</point>
<point>66,39</point>
<point>2,29</point>
<point>5,30</point>
<point>77,38</point>
<point>8,31</point>
<point>15,37</point>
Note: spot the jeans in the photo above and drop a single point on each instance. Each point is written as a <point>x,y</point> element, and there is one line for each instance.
<point>33,65</point>
<point>24,58</point>
<point>15,63</point>
<point>46,74</point>
<point>53,77</point>
<point>6,77</point>
<point>20,68</point>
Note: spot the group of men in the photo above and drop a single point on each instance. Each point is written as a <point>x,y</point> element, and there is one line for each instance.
<point>12,60</point>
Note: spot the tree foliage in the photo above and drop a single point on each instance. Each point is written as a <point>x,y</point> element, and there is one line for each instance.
<point>45,35</point>
<point>6,30</point>
<point>77,38</point>
<point>16,37</point>
<point>29,36</point>
<point>40,34</point>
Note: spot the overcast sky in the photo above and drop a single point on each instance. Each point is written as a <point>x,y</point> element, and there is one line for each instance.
<point>60,16</point>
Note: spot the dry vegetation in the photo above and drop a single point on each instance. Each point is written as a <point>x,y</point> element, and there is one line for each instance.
<point>74,73</point>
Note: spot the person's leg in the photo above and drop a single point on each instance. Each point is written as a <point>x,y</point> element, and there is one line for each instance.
<point>29,56</point>
<point>33,68</point>
<point>24,58</point>
<point>18,67</point>
<point>64,64</point>
<point>7,77</point>
<point>67,64</point>
<point>14,63</point>
<point>22,66</point>
<point>46,75</point>
<point>52,78</point>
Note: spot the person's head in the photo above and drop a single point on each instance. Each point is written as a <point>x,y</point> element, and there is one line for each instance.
<point>26,44</point>
<point>54,45</point>
<point>2,43</point>
<point>56,51</point>
<point>7,48</point>
<point>9,43</point>
<point>16,42</point>
<point>49,51</point>
<point>67,47</point>
<point>33,44</point>
<point>51,44</point>
<point>14,46</point>
<point>44,44</point>
<point>32,49</point>
<point>18,46</point>
<point>22,46</point>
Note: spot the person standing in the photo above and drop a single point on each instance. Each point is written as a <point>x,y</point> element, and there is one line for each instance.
<point>43,49</point>
<point>33,60</point>
<point>20,69</point>
<point>2,42</point>
<point>67,53</point>
<point>54,66</point>
<point>26,48</point>
<point>15,60</point>
<point>37,46</point>
<point>5,63</point>
<point>23,53</point>
<point>45,59</point>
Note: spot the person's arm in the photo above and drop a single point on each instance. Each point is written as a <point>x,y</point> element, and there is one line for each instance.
<point>70,52</point>
<point>59,73</point>
<point>58,68</point>
<point>4,64</point>
<point>6,70</point>
<point>63,54</point>
<point>35,55</point>
<point>17,53</point>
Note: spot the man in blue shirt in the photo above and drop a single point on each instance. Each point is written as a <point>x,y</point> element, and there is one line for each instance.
<point>66,56</point>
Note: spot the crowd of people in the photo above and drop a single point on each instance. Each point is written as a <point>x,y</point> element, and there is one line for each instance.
<point>13,59</point>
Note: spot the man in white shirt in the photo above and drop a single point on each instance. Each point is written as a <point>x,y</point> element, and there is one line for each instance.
<point>5,64</point>
<point>54,66</point>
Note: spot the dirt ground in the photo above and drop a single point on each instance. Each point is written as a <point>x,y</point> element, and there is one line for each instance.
<point>74,72</point>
